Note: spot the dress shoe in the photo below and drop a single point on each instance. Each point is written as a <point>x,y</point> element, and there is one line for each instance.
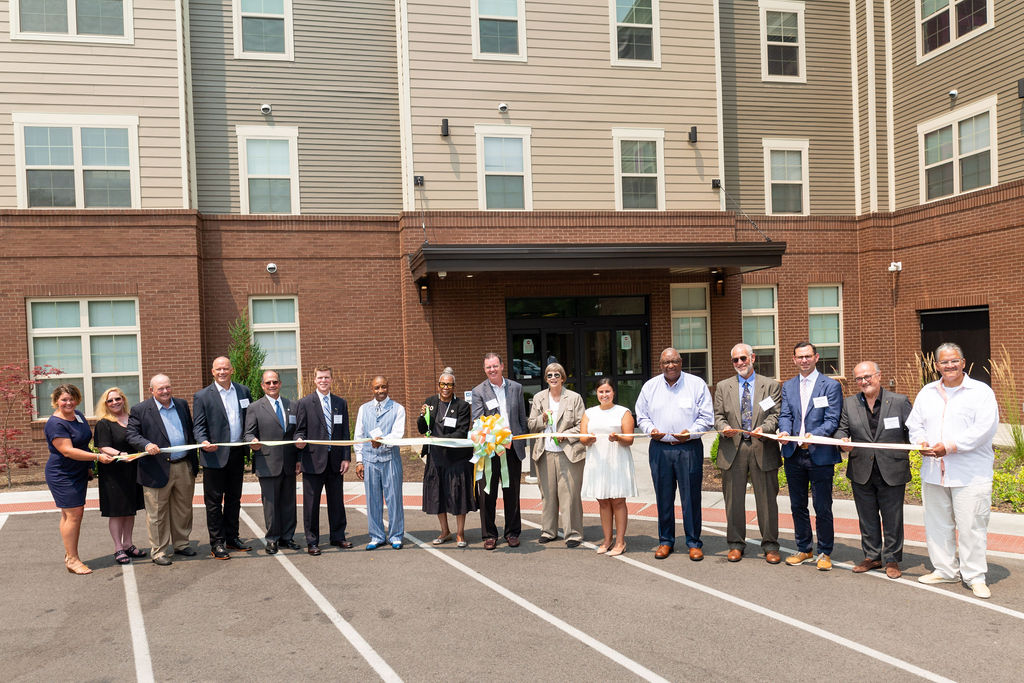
<point>662,552</point>
<point>980,590</point>
<point>892,570</point>
<point>572,543</point>
<point>219,552</point>
<point>313,550</point>
<point>290,544</point>
<point>799,558</point>
<point>344,544</point>
<point>866,565</point>
<point>373,545</point>
<point>824,563</point>
<point>187,551</point>
<point>545,539</point>
<point>772,557</point>
<point>616,551</point>
<point>397,545</point>
<point>696,554</point>
<point>162,560</point>
<point>513,541</point>
<point>271,547</point>
<point>735,555</point>
<point>934,578</point>
<point>490,543</point>
<point>238,544</point>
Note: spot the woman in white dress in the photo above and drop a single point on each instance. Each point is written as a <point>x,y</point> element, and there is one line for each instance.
<point>609,474</point>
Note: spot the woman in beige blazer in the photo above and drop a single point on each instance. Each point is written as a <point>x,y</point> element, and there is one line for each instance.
<point>559,461</point>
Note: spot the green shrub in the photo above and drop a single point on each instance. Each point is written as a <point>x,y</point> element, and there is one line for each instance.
<point>714,450</point>
<point>1008,487</point>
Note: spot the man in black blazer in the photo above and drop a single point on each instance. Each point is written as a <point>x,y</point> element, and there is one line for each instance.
<point>271,418</point>
<point>322,416</point>
<point>219,411</point>
<point>168,479</point>
<point>496,394</point>
<point>879,476</point>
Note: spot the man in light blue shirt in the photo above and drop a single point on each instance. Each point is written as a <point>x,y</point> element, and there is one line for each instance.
<point>673,408</point>
<point>380,466</point>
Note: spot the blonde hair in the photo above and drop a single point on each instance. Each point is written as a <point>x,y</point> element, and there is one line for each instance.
<point>102,412</point>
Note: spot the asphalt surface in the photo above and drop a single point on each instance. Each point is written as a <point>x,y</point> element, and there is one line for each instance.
<point>539,612</point>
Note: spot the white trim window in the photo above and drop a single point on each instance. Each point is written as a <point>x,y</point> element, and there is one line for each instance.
<point>275,327</point>
<point>499,29</point>
<point>639,155</point>
<point>761,328</point>
<point>504,177</point>
<point>825,326</point>
<point>786,188</point>
<point>691,328</point>
<point>93,342</point>
<point>783,51</point>
<point>76,161</point>
<point>635,33</point>
<point>262,29</point>
<point>957,152</point>
<point>86,21</point>
<point>268,169</point>
<point>944,24</point>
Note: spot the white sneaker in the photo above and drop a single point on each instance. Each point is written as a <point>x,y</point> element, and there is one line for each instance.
<point>934,578</point>
<point>981,590</point>
<point>531,480</point>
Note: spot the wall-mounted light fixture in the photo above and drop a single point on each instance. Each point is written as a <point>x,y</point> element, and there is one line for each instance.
<point>692,137</point>
<point>444,128</point>
<point>718,281</point>
<point>422,291</point>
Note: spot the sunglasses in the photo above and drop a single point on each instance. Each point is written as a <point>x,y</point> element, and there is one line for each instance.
<point>446,385</point>
<point>739,359</point>
<point>115,399</point>
<point>552,375</point>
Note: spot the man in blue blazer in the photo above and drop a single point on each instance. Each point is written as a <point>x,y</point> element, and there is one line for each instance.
<point>811,405</point>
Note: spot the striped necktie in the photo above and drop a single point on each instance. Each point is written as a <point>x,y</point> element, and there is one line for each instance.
<point>328,414</point>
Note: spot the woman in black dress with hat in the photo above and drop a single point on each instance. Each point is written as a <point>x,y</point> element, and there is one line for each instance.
<point>120,492</point>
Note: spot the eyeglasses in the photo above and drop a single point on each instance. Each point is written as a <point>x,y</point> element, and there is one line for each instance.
<point>672,362</point>
<point>553,375</point>
<point>739,359</point>
<point>114,399</point>
<point>271,382</point>
<point>446,385</point>
<point>865,378</point>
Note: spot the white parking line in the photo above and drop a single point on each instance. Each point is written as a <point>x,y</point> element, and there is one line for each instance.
<point>358,642</point>
<point>140,645</point>
<point>3,518</point>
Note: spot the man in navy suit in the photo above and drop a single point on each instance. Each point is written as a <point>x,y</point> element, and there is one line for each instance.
<point>322,416</point>
<point>219,416</point>
<point>811,406</point>
<point>168,479</point>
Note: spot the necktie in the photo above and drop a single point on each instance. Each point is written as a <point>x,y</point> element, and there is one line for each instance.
<point>327,414</point>
<point>746,409</point>
<point>280,415</point>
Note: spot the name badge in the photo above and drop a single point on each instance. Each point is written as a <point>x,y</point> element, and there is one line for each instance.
<point>767,404</point>
<point>291,419</point>
<point>449,422</point>
<point>821,401</point>
<point>492,404</point>
<point>339,419</point>
<point>79,418</point>
<point>376,433</point>
<point>243,403</point>
<point>891,423</point>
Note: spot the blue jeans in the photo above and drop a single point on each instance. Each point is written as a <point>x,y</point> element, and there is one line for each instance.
<point>682,465</point>
<point>802,474</point>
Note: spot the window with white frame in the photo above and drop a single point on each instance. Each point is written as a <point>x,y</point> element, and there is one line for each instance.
<point>639,168</point>
<point>943,24</point>
<point>825,326</point>
<point>785,176</point>
<point>93,342</point>
<point>691,328</point>
<point>760,328</point>
<point>90,21</point>
<point>76,161</point>
<point>503,167</point>
<point>263,29</point>
<point>268,169</point>
<point>958,151</point>
<point>635,33</point>
<point>499,29</point>
<point>782,41</point>
<point>275,327</point>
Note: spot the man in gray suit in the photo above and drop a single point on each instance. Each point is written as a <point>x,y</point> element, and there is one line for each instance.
<point>497,394</point>
<point>879,476</point>
<point>271,418</point>
<point>749,402</point>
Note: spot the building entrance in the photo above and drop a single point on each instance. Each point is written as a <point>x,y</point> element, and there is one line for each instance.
<point>592,337</point>
<point>967,327</point>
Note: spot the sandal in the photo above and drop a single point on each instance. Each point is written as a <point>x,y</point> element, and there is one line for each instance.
<point>132,551</point>
<point>78,567</point>
<point>121,557</point>
<point>440,540</point>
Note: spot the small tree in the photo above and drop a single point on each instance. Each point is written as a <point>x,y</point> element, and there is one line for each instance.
<point>246,355</point>
<point>17,390</point>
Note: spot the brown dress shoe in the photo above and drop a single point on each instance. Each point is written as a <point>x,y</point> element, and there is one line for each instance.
<point>696,554</point>
<point>892,570</point>
<point>772,557</point>
<point>490,543</point>
<point>662,552</point>
<point>513,541</point>
<point>735,555</point>
<point>866,565</point>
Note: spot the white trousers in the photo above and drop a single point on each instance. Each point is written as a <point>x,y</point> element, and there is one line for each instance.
<point>956,519</point>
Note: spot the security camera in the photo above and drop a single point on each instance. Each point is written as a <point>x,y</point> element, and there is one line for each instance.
<point>953,93</point>
<point>265,109</point>
<point>896,267</point>
<point>271,268</point>
<point>502,107</point>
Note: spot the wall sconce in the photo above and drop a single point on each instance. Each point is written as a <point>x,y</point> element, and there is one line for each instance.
<point>718,281</point>
<point>1020,88</point>
<point>692,137</point>
<point>444,128</point>
<point>422,291</point>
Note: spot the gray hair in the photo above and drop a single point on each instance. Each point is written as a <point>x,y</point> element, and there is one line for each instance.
<point>746,348</point>
<point>446,372</point>
<point>949,346</point>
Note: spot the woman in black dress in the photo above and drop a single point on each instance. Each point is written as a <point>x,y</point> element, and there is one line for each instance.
<point>448,478</point>
<point>120,492</point>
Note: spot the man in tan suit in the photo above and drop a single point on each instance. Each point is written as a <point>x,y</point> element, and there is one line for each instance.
<point>751,403</point>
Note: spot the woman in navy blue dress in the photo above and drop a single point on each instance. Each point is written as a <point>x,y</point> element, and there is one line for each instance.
<point>67,470</point>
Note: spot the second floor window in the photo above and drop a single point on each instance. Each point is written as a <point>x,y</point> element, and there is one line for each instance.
<point>268,169</point>
<point>503,158</point>
<point>958,152</point>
